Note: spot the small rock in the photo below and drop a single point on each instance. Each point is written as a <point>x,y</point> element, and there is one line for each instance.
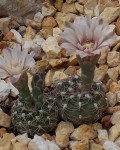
<point>4,90</point>
<point>118,26</point>
<point>38,39</point>
<point>113,73</point>
<point>109,145</point>
<point>49,22</point>
<point>51,49</point>
<point>14,36</point>
<point>62,133</point>
<point>114,132</point>
<point>69,8</point>
<point>115,118</point>
<point>23,139</point>
<point>114,87</point>
<point>114,109</point>
<point>100,73</point>
<point>58,62</point>
<point>2,132</point>
<point>19,146</point>
<point>117,141</point>
<point>6,141</point>
<point>102,136</point>
<point>38,17</point>
<point>32,23</point>
<point>84,131</point>
<point>58,4</point>
<point>79,145</point>
<point>61,19</point>
<point>73,60</point>
<point>14,91</point>
<point>95,146</point>
<point>97,126</point>
<point>70,1</point>
<point>113,59</point>
<point>48,10</point>
<point>58,75</point>
<point>56,32</point>
<point>41,65</point>
<point>71,70</point>
<point>4,22</point>
<point>46,32</point>
<point>111,96</point>
<point>49,78</point>
<point>5,120</point>
<point>116,48</point>
<point>103,57</point>
<point>83,2</point>
<point>110,14</point>
<point>118,96</point>
<point>29,33</point>
<point>79,8</point>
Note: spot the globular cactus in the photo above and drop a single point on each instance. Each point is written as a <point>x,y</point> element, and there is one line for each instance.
<point>36,112</point>
<point>78,105</point>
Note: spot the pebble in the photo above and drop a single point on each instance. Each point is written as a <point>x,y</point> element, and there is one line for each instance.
<point>79,8</point>
<point>38,17</point>
<point>51,49</point>
<point>113,59</point>
<point>49,22</point>
<point>48,9</point>
<point>49,78</point>
<point>58,4</point>
<point>61,18</point>
<point>115,118</point>
<point>113,73</point>
<point>5,120</point>
<point>110,14</point>
<point>112,100</point>
<point>62,133</point>
<point>109,145</point>
<point>84,131</point>
<point>69,8</point>
<point>114,132</point>
<point>4,22</point>
<point>58,75</point>
<point>102,135</point>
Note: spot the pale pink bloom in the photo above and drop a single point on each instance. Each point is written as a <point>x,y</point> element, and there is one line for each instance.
<point>86,37</point>
<point>14,61</point>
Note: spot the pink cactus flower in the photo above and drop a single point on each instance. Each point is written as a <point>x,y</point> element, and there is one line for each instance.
<point>86,37</point>
<point>14,61</point>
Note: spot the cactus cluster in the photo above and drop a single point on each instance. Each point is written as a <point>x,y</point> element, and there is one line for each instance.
<point>36,112</point>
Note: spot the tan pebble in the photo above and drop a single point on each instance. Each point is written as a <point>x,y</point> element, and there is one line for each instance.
<point>69,8</point>
<point>118,26</point>
<point>97,126</point>
<point>114,132</point>
<point>58,4</point>
<point>70,1</point>
<point>79,145</point>
<point>32,23</point>
<point>95,146</point>
<point>2,131</point>
<point>100,73</point>
<point>29,33</point>
<point>47,137</point>
<point>41,65</point>
<point>49,22</point>
<point>48,9</point>
<point>49,78</point>
<point>83,131</point>
<point>79,8</point>
<point>103,57</point>
<point>112,99</point>
<point>5,120</point>
<point>58,62</point>
<point>114,87</point>
<point>112,110</point>
<point>73,60</point>
<point>113,59</point>
<point>115,118</point>
<point>113,73</point>
<point>46,32</point>
<point>19,146</point>
<point>58,75</point>
<point>71,70</point>
<point>110,14</point>
<point>116,48</point>
<point>61,19</point>
<point>102,135</point>
<point>62,133</point>
<point>118,96</point>
<point>109,145</point>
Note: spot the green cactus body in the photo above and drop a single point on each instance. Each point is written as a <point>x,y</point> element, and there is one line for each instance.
<point>36,113</point>
<point>77,105</point>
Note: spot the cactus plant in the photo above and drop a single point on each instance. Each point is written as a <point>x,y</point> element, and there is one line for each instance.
<point>80,99</point>
<point>34,113</point>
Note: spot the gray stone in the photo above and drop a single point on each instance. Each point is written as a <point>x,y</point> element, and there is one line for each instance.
<point>20,9</point>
